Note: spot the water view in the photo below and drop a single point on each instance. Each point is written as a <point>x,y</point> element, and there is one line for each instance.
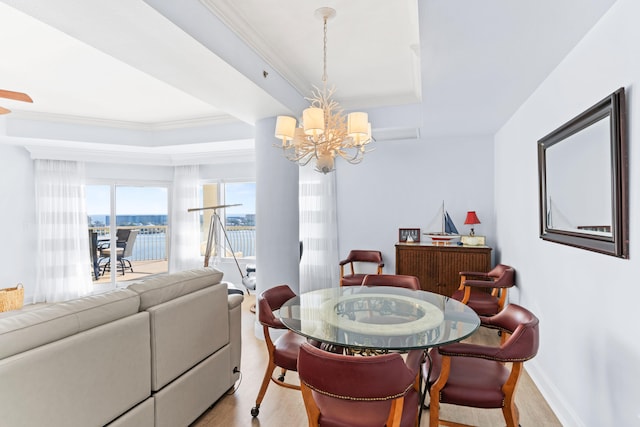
<point>152,240</point>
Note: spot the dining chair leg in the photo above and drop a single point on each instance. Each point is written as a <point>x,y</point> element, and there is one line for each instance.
<point>283,372</point>
<point>510,412</point>
<point>263,388</point>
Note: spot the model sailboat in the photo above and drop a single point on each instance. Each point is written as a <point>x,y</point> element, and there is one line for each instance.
<point>448,230</point>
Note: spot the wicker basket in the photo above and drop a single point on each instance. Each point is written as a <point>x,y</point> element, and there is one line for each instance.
<point>11,298</point>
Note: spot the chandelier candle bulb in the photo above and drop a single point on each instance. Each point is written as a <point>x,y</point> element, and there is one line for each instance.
<point>285,128</point>
<point>313,120</point>
<point>357,125</point>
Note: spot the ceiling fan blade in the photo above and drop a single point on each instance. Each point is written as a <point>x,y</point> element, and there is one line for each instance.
<point>4,110</point>
<point>17,96</point>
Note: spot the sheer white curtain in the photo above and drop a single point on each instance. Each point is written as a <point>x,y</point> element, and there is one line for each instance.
<point>63,260</point>
<point>318,230</point>
<point>185,226</point>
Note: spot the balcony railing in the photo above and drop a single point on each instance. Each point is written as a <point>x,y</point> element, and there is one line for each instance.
<point>152,242</point>
<point>243,239</point>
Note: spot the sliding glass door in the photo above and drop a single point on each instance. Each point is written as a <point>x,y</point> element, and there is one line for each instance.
<point>139,233</point>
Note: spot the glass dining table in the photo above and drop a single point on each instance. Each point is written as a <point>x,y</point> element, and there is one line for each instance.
<point>379,319</point>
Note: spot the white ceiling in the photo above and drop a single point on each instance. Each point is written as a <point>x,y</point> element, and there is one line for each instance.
<point>469,63</point>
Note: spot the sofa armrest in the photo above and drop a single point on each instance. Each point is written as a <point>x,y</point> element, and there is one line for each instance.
<point>234,300</point>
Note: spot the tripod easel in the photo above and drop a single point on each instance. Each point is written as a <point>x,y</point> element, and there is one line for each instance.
<point>213,238</point>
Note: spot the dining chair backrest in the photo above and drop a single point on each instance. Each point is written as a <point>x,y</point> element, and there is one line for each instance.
<point>399,280</point>
<point>359,391</point>
<point>271,300</point>
<point>486,293</point>
<point>503,276</point>
<point>521,327</point>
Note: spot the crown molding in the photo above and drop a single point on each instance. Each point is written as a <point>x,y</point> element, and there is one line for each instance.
<point>228,14</point>
<point>194,154</point>
<point>121,124</point>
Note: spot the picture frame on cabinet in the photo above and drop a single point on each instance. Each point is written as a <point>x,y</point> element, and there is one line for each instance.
<point>409,235</point>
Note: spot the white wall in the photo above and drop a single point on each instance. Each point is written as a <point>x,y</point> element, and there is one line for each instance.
<point>401,184</point>
<point>17,218</point>
<point>128,173</point>
<point>587,366</point>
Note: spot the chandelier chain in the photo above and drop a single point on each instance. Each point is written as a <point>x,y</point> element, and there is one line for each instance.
<point>324,51</point>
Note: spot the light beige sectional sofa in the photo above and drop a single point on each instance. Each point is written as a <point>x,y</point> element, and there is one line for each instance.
<point>158,353</point>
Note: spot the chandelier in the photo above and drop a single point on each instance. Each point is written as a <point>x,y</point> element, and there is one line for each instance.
<point>324,132</point>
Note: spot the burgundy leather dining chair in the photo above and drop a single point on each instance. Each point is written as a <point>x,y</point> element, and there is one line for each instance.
<point>483,376</point>
<point>485,293</point>
<point>283,352</point>
<point>354,391</point>
<point>355,257</point>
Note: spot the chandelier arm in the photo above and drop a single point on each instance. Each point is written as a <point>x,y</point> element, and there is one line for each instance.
<point>299,159</point>
<point>306,161</point>
<point>348,157</point>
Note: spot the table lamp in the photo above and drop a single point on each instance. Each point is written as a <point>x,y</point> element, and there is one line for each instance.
<point>472,219</point>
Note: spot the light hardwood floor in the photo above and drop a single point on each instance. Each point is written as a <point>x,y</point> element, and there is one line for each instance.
<point>141,269</point>
<point>284,407</point>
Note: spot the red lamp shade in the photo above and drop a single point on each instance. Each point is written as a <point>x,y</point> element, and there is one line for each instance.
<point>472,218</point>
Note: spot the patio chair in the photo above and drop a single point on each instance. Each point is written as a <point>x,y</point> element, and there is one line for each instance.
<point>124,250</point>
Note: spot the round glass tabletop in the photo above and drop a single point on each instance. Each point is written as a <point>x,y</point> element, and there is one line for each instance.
<point>379,317</point>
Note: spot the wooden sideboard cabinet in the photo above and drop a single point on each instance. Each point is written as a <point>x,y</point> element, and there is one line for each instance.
<point>439,267</point>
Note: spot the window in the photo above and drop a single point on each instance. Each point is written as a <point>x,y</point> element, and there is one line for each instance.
<point>140,208</point>
<point>239,221</point>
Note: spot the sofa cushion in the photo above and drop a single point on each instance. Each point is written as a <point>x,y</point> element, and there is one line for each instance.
<point>160,289</point>
<point>28,329</point>
<point>186,330</point>
<point>183,400</point>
